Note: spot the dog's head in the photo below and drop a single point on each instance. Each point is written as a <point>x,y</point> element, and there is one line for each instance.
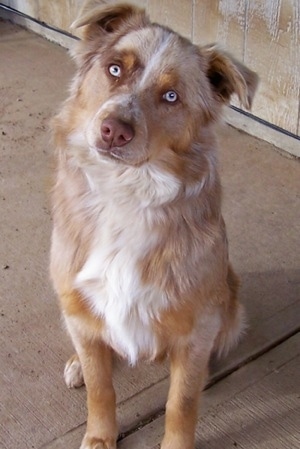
<point>142,91</point>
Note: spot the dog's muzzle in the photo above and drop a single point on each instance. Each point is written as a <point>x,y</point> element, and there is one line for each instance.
<point>116,133</point>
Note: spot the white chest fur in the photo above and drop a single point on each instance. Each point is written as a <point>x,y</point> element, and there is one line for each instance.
<point>110,280</point>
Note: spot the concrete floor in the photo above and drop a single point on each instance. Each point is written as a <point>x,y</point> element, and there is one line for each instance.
<point>253,401</point>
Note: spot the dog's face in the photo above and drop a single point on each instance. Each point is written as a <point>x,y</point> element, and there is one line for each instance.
<point>143,92</point>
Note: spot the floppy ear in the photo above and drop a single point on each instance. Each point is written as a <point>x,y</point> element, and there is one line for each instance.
<point>228,76</point>
<point>98,17</point>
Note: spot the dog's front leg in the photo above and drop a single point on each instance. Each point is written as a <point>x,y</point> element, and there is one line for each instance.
<point>189,369</point>
<point>96,363</point>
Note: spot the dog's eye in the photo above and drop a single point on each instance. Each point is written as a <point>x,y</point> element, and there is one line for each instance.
<point>115,70</point>
<point>170,96</point>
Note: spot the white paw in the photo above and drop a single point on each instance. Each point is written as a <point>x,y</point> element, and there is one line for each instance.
<point>73,373</point>
<point>95,443</point>
<point>94,446</point>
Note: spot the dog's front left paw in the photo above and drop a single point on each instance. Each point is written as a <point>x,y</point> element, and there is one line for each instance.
<point>178,442</point>
<point>98,443</point>
<point>73,373</point>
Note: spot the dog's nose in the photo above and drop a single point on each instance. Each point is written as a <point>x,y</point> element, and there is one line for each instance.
<point>116,133</point>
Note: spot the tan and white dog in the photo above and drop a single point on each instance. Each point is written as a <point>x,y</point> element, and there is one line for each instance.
<point>139,252</point>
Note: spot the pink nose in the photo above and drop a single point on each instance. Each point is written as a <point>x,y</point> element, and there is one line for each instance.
<point>116,133</point>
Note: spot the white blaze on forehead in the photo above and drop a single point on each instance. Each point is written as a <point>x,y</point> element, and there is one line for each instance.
<point>144,42</point>
<point>153,46</point>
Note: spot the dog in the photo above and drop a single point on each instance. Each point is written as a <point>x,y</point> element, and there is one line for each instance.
<point>139,255</point>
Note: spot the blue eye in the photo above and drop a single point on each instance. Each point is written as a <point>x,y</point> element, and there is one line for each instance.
<point>170,96</point>
<point>115,70</point>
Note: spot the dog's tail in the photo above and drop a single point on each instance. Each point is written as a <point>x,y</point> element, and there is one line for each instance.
<point>234,322</point>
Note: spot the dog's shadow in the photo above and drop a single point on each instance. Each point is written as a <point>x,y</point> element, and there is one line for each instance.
<point>270,300</point>
<point>257,430</point>
<point>263,415</point>
<point>265,411</point>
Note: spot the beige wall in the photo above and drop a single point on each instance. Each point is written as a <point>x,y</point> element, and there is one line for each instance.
<point>265,34</point>
<point>58,13</point>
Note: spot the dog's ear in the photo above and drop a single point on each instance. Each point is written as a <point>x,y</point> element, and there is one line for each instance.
<point>228,76</point>
<point>98,17</point>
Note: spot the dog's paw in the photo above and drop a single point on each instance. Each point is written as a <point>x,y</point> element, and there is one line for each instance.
<point>98,443</point>
<point>178,442</point>
<point>73,373</point>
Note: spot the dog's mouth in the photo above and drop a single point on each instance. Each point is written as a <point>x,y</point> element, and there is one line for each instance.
<point>112,152</point>
<point>119,155</point>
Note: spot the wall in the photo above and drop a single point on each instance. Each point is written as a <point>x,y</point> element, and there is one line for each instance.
<point>265,34</point>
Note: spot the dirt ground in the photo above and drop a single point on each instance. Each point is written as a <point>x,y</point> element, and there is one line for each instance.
<point>253,401</point>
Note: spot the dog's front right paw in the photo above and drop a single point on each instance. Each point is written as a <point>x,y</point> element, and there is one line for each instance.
<point>98,443</point>
<point>73,373</point>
